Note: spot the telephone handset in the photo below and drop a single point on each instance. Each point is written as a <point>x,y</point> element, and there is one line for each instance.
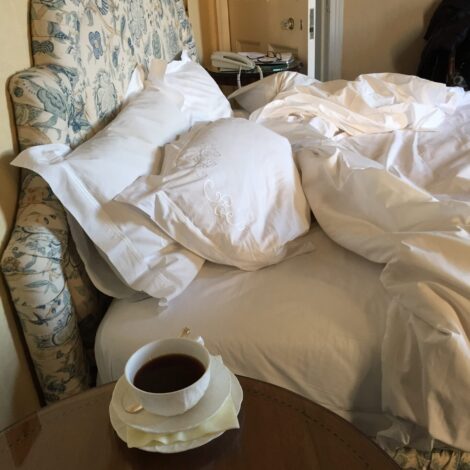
<point>231,61</point>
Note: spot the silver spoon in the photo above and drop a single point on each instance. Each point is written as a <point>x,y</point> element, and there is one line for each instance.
<point>135,407</point>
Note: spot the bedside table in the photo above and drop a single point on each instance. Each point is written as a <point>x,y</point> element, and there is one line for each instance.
<point>278,430</point>
<point>249,76</point>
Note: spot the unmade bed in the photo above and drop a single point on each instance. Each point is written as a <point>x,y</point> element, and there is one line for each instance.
<point>320,244</point>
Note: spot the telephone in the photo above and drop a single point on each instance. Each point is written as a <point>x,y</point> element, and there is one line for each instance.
<point>231,61</point>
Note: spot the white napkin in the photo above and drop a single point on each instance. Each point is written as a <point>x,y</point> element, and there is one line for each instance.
<point>223,420</point>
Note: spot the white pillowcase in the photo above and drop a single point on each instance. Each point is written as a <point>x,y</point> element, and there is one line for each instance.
<point>203,99</point>
<point>260,93</point>
<point>100,272</point>
<point>230,192</point>
<point>87,180</point>
<point>136,84</point>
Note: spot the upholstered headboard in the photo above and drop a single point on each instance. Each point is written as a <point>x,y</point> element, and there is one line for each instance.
<point>84,52</point>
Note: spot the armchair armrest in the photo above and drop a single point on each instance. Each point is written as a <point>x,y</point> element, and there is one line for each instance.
<point>51,292</point>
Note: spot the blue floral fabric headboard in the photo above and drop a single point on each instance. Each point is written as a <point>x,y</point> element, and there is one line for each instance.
<point>84,53</point>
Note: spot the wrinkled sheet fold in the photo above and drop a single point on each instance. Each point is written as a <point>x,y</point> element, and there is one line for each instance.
<point>399,197</point>
<point>375,209</point>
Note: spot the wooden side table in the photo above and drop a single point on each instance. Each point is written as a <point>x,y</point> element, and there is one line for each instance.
<point>248,76</point>
<point>278,430</point>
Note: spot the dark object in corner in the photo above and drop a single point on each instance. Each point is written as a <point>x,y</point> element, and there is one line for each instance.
<point>446,56</point>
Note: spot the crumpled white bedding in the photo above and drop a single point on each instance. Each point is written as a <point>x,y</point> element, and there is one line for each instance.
<point>402,198</point>
<point>371,104</point>
<point>385,165</point>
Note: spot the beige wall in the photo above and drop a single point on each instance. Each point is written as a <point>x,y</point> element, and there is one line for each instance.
<point>203,17</point>
<point>17,394</point>
<point>384,36</point>
<point>256,25</point>
<point>378,35</point>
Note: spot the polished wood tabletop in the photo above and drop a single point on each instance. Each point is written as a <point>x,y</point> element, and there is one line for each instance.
<point>278,430</point>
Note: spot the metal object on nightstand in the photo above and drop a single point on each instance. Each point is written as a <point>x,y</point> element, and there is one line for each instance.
<point>249,76</point>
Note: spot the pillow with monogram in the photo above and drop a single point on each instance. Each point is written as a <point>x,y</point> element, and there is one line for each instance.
<point>230,192</point>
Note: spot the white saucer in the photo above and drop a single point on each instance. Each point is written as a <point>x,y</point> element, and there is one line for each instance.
<point>120,427</point>
<point>217,391</point>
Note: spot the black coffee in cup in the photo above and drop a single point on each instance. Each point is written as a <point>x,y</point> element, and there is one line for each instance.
<point>168,373</point>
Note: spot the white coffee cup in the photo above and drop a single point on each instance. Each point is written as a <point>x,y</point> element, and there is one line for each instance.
<point>179,401</point>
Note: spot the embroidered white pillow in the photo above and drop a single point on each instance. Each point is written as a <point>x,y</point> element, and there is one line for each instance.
<point>230,192</point>
<point>87,180</point>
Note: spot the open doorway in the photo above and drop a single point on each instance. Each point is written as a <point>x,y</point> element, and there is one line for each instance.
<point>310,29</point>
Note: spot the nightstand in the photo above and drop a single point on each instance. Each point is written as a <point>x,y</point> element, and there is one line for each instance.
<point>278,430</point>
<point>249,76</point>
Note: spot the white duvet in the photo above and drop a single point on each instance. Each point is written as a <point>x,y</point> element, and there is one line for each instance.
<point>402,198</point>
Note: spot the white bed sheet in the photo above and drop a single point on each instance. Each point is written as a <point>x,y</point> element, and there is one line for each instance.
<point>313,324</point>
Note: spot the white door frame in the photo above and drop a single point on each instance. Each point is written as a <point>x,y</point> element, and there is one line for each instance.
<point>334,51</point>
<point>328,44</point>
<point>313,53</point>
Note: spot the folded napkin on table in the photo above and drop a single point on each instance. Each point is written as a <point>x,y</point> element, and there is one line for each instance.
<point>223,420</point>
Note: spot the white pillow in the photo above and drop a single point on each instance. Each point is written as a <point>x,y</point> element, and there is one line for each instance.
<point>230,193</point>
<point>136,84</point>
<point>87,180</point>
<point>262,92</point>
<point>203,99</point>
<point>100,272</point>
